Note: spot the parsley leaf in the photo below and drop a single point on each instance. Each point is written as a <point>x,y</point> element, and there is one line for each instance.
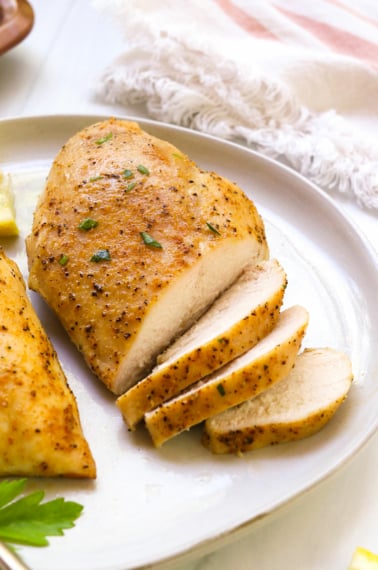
<point>128,174</point>
<point>87,224</point>
<point>148,240</point>
<point>101,255</point>
<point>130,186</point>
<point>63,259</point>
<point>143,169</point>
<point>104,139</point>
<point>212,229</point>
<point>27,520</point>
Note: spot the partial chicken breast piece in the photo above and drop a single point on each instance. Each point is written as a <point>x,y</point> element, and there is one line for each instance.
<point>237,321</point>
<point>256,370</point>
<point>297,407</point>
<point>131,242</point>
<point>40,430</point>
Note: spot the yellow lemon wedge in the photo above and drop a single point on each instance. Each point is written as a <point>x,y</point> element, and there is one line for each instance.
<point>363,560</point>
<point>8,225</point>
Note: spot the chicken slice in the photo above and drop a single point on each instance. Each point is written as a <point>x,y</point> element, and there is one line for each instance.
<point>40,430</point>
<point>246,376</point>
<point>131,242</point>
<point>295,408</point>
<point>239,319</point>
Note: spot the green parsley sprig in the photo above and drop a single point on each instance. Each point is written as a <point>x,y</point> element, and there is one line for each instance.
<point>26,520</point>
<point>101,255</point>
<point>87,224</point>
<point>104,139</point>
<point>212,228</point>
<point>149,240</point>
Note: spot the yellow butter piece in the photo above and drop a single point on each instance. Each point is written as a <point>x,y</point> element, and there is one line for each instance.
<point>8,225</point>
<point>363,559</point>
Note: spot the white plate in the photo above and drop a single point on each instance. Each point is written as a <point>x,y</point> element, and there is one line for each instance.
<point>147,505</point>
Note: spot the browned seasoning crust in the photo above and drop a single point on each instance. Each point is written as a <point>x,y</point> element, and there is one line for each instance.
<point>238,320</point>
<point>295,408</point>
<point>128,182</point>
<point>40,431</point>
<point>245,377</point>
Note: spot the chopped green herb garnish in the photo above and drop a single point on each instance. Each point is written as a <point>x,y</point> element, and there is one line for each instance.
<point>221,389</point>
<point>104,139</point>
<point>222,339</point>
<point>94,178</point>
<point>143,169</point>
<point>130,186</point>
<point>27,520</point>
<point>176,155</point>
<point>148,240</point>
<point>214,230</point>
<point>128,174</point>
<point>101,255</point>
<point>63,260</point>
<point>87,224</point>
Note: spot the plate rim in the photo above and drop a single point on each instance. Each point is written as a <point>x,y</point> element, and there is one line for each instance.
<point>238,530</point>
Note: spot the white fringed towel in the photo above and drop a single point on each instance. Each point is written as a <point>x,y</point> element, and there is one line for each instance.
<point>295,80</point>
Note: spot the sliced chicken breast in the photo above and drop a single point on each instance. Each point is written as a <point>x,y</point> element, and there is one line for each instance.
<point>295,408</point>
<point>40,430</point>
<point>246,376</point>
<point>239,319</point>
<point>131,242</point>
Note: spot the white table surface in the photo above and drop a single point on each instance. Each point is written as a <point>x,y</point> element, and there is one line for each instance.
<point>54,71</point>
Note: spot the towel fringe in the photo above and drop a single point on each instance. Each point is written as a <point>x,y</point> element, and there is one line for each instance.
<point>178,85</point>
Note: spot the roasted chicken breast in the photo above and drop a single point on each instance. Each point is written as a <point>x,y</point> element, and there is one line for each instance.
<point>131,242</point>
<point>238,320</point>
<point>297,407</point>
<point>40,430</point>
<point>246,376</point>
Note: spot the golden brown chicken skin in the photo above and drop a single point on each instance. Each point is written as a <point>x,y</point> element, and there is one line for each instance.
<point>40,430</point>
<point>131,242</point>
